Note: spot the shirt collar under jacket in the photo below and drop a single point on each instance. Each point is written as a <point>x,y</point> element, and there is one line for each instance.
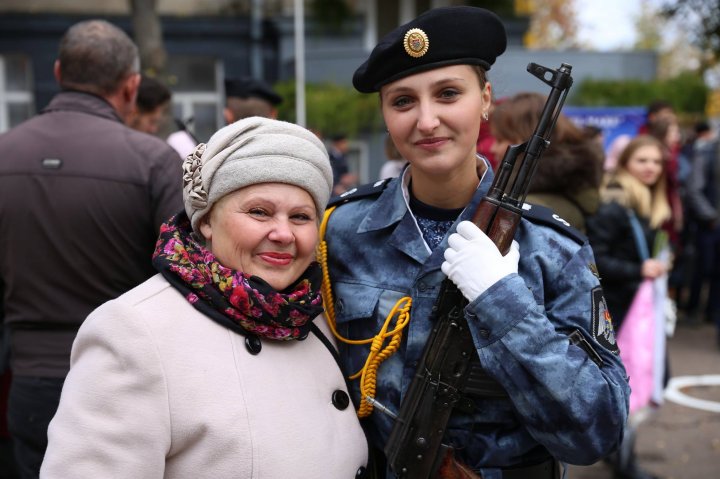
<point>391,207</point>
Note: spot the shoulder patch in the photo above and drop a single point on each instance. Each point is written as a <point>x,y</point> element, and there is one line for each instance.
<point>602,326</point>
<point>362,191</point>
<point>546,216</point>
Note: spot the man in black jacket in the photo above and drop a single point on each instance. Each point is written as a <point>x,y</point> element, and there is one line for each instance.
<point>82,197</point>
<point>703,203</point>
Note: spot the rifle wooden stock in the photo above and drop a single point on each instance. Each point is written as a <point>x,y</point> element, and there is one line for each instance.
<point>499,222</point>
<point>415,449</point>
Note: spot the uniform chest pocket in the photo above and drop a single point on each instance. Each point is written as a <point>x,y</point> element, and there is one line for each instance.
<point>355,301</point>
<point>360,312</point>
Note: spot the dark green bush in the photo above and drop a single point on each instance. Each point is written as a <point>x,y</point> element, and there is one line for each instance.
<point>332,109</point>
<point>686,92</point>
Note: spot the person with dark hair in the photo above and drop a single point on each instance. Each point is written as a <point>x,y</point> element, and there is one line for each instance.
<point>153,100</point>
<point>247,96</point>
<point>394,163</point>
<point>82,198</point>
<point>657,110</point>
<point>343,178</point>
<point>569,175</point>
<point>703,204</point>
<point>219,365</point>
<point>536,396</point>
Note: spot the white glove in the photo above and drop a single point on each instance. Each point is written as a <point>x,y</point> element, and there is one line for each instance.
<point>473,262</point>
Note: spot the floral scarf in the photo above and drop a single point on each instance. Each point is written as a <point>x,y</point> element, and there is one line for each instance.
<point>240,299</point>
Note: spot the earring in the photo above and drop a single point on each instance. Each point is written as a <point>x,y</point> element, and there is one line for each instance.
<point>485,116</point>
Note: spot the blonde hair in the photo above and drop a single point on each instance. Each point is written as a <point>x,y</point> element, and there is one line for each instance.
<point>650,202</point>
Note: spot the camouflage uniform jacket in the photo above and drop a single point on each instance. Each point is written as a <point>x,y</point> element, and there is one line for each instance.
<point>559,402</point>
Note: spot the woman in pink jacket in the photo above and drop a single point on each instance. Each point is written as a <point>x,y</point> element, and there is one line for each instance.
<point>218,366</point>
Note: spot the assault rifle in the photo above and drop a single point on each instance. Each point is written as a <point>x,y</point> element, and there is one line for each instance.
<point>415,449</point>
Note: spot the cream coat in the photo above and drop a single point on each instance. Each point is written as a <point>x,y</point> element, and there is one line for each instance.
<point>158,390</point>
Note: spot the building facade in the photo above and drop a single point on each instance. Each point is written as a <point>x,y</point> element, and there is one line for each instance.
<point>207,40</point>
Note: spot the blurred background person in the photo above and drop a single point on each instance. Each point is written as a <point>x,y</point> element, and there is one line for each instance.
<point>624,233</point>
<point>657,110</point>
<point>485,141</point>
<point>82,198</point>
<point>151,106</point>
<point>8,469</point>
<point>394,164</point>
<point>569,174</point>
<point>667,130</point>
<point>343,178</point>
<point>247,96</point>
<point>703,202</point>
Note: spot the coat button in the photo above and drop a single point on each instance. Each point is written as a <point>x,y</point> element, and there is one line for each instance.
<point>484,333</point>
<point>340,399</point>
<point>253,344</point>
<point>361,472</point>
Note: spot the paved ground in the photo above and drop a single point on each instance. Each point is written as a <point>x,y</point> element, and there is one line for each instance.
<point>681,442</point>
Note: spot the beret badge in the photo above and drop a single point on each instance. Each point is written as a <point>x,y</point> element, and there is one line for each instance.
<point>416,42</point>
<point>192,177</point>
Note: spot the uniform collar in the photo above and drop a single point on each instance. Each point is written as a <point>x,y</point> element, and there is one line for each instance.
<point>392,204</point>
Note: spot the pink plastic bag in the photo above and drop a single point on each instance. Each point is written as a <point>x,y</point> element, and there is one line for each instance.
<point>636,340</point>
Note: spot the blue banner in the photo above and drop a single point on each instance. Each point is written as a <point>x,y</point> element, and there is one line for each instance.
<point>613,121</point>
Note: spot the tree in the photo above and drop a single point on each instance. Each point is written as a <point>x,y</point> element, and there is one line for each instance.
<point>649,25</point>
<point>148,36</point>
<point>658,33</point>
<point>701,21</point>
<point>553,25</point>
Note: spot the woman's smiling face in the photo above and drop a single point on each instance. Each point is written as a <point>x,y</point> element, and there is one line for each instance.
<point>434,117</point>
<point>269,230</point>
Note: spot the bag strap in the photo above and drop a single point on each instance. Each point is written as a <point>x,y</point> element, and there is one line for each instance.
<point>639,235</point>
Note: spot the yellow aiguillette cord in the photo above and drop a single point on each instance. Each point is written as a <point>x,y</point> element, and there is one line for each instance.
<point>378,353</point>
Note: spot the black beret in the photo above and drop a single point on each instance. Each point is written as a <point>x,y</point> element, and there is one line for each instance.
<point>437,38</point>
<point>249,87</point>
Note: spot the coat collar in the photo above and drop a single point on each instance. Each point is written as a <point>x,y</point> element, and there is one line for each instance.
<point>83,102</point>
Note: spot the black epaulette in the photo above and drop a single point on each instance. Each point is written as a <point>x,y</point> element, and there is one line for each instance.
<point>546,216</point>
<point>362,191</point>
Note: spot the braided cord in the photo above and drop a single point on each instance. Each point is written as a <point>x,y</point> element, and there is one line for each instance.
<point>378,353</point>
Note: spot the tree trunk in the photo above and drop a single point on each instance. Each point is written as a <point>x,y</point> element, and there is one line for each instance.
<point>148,37</point>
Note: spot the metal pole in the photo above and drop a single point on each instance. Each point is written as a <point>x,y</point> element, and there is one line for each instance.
<point>256,65</point>
<point>300,63</point>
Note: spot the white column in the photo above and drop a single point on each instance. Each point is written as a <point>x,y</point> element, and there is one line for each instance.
<point>299,63</point>
<point>371,32</point>
<point>407,11</point>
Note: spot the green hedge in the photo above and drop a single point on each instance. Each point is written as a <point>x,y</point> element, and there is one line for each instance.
<point>686,92</point>
<point>332,109</point>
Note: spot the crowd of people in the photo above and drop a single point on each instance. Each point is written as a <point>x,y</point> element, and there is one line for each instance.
<point>242,308</point>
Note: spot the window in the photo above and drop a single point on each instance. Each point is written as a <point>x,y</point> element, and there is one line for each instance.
<point>196,83</point>
<point>16,98</point>
<point>357,158</point>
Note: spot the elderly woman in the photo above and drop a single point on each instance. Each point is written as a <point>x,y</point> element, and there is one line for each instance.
<point>214,367</point>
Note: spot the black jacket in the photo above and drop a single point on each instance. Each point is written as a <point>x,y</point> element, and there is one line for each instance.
<point>82,197</point>
<point>618,260</point>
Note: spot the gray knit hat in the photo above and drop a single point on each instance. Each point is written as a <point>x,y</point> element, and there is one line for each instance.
<point>251,151</point>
